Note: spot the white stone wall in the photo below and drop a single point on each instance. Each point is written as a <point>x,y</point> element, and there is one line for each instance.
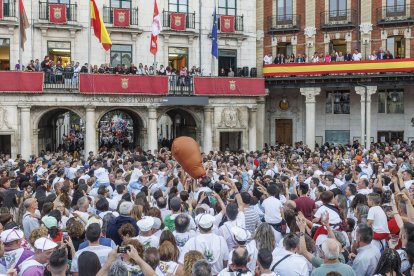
<point>36,45</point>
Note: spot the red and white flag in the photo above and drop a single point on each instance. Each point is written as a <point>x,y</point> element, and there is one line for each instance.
<point>156,29</point>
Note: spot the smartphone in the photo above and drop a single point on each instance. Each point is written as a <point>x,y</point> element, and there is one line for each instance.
<point>123,249</point>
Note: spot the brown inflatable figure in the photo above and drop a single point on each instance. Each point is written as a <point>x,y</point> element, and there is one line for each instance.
<point>187,153</point>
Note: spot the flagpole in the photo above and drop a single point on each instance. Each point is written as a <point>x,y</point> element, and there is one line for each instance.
<point>20,35</point>
<point>89,37</point>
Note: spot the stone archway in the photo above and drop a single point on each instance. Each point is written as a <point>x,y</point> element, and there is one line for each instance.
<point>120,128</point>
<point>175,122</point>
<point>59,128</point>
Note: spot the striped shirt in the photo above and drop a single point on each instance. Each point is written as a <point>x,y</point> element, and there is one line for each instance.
<point>251,218</point>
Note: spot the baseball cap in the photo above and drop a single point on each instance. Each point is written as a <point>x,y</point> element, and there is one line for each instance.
<point>44,244</point>
<point>49,221</point>
<point>205,221</point>
<point>11,235</point>
<point>240,234</point>
<point>145,224</point>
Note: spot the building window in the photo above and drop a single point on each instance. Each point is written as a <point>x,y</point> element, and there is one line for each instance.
<point>178,6</point>
<point>284,8</point>
<point>337,9</point>
<point>337,102</point>
<point>177,58</point>
<point>121,54</point>
<point>391,101</point>
<point>395,7</point>
<point>59,51</point>
<point>125,4</point>
<point>4,54</point>
<point>227,59</point>
<point>396,46</point>
<point>59,1</point>
<point>227,7</point>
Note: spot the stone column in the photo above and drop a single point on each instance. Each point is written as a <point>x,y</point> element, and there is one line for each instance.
<point>208,130</point>
<point>90,133</point>
<point>260,122</point>
<point>310,93</point>
<point>252,128</point>
<point>370,90</point>
<point>152,129</point>
<point>35,141</point>
<point>25,137</point>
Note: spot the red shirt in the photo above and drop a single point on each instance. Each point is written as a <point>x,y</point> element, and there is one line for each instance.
<point>306,205</point>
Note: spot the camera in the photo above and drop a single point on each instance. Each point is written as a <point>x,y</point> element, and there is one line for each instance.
<point>123,249</point>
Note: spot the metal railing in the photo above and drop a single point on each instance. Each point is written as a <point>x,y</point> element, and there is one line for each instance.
<point>283,23</point>
<point>339,18</point>
<point>71,11</point>
<point>61,79</point>
<point>108,15</point>
<point>180,85</point>
<point>9,9</point>
<point>395,13</point>
<point>189,19</point>
<point>238,22</point>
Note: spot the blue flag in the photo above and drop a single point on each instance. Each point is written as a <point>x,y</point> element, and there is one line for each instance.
<point>214,46</point>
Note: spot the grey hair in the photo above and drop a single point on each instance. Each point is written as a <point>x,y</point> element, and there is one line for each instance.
<point>82,201</point>
<point>118,268</point>
<point>27,202</point>
<point>330,249</point>
<point>201,268</point>
<point>264,236</point>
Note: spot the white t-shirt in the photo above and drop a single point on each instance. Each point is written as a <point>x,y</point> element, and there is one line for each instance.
<point>136,173</point>
<point>213,247</point>
<point>379,218</point>
<point>101,251</point>
<point>408,184</point>
<point>272,208</point>
<point>252,251</point>
<point>101,175</point>
<point>334,217</point>
<point>166,268</point>
<point>151,241</point>
<point>293,265</point>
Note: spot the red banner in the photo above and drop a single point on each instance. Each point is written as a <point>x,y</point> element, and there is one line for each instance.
<point>229,86</point>
<point>26,82</point>
<point>177,21</point>
<point>1,9</point>
<point>226,24</point>
<point>57,13</point>
<point>121,17</point>
<point>123,84</point>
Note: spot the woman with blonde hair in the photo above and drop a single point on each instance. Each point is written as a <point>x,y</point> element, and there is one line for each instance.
<point>168,260</point>
<point>136,212</point>
<point>190,258</point>
<point>265,237</point>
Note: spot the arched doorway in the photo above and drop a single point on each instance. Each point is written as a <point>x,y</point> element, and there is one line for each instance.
<point>120,129</point>
<point>175,123</point>
<point>61,129</point>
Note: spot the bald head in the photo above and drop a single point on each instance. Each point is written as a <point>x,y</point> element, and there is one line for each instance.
<point>330,249</point>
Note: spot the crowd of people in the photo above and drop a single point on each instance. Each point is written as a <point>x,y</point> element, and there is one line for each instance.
<point>280,211</point>
<point>57,72</point>
<point>335,56</point>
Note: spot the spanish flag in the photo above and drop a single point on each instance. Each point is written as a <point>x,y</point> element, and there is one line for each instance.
<point>99,27</point>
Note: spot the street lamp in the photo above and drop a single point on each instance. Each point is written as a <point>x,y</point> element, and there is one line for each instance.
<point>60,121</point>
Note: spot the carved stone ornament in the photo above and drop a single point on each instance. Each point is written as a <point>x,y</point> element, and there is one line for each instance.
<point>310,31</point>
<point>3,119</point>
<point>365,28</point>
<point>230,117</point>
